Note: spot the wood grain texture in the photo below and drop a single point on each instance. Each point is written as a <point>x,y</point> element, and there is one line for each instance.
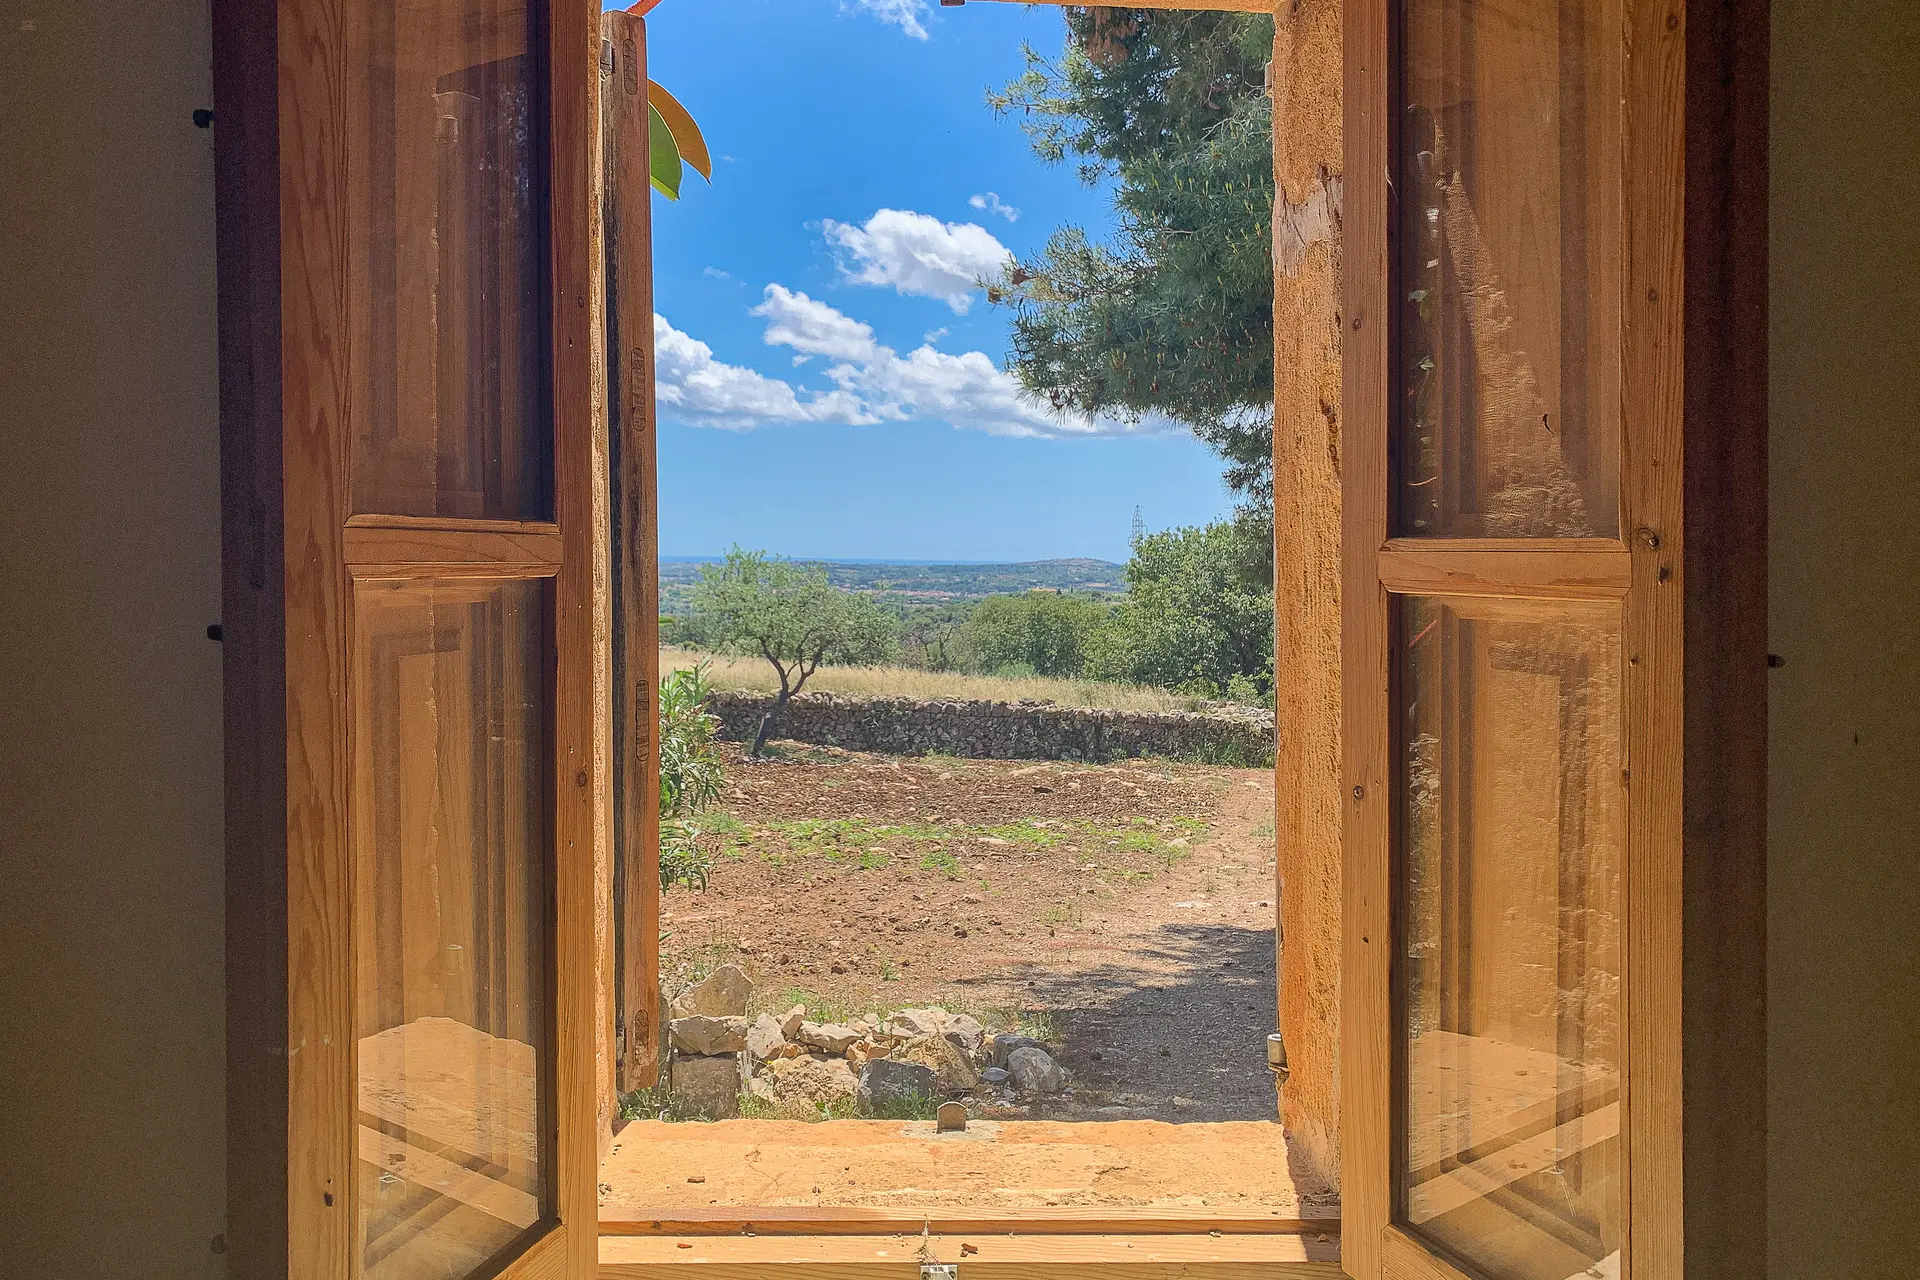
<point>833,1220</point>
<point>253,652</point>
<point>1366,1014</point>
<point>606,1064</point>
<point>573,38</point>
<point>1005,1257</point>
<point>1724,885</point>
<point>1653,463</point>
<point>1307,165</point>
<point>1407,569</point>
<point>315,142</point>
<point>410,552</point>
<point>545,1259</point>
<point>636,550</point>
<point>1404,1258</point>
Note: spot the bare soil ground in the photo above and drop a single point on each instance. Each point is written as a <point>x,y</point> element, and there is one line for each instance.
<point>1123,912</point>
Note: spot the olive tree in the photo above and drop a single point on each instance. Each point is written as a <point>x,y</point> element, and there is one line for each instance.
<point>789,614</point>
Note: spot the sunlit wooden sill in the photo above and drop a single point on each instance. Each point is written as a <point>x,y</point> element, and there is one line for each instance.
<point>1300,1255</point>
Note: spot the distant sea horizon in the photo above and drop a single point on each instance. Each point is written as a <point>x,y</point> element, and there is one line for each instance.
<point>886,560</point>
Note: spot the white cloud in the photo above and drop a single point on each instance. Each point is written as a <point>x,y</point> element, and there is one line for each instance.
<point>992,203</point>
<point>814,328</point>
<point>904,14</point>
<point>695,388</point>
<point>872,383</point>
<point>919,255</point>
<point>716,273</point>
<point>968,391</point>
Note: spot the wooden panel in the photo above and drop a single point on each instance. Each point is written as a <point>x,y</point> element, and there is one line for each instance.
<point>574,93</point>
<point>452,841</point>
<point>1508,931</point>
<point>1005,1257</point>
<point>636,538</point>
<point>1366,1020</point>
<point>1508,268</point>
<point>1537,575</point>
<point>1654,462</point>
<point>831,1220</point>
<point>450,416</point>
<point>381,552</point>
<point>545,1259</point>
<point>317,389</point>
<point>1403,1258</point>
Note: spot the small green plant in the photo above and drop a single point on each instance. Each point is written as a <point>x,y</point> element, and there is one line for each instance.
<point>1227,755</point>
<point>912,1105</point>
<point>646,1104</point>
<point>690,776</point>
<point>1035,1024</point>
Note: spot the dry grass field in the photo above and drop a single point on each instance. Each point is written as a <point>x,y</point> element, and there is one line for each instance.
<point>905,682</point>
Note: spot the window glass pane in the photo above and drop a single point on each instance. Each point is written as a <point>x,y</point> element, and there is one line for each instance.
<point>1508,269</point>
<point>449,263</point>
<point>451,836</point>
<point>1509,928</point>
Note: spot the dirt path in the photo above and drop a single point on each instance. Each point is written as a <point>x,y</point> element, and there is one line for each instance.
<point>1122,912</point>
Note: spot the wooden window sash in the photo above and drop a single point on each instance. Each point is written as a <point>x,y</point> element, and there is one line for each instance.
<point>1689,570</point>
<point>292,552</point>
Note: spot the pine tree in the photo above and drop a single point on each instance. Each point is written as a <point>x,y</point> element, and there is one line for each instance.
<point>1173,315</point>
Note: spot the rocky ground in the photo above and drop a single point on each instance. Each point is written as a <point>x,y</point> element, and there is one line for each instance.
<point>1120,917</point>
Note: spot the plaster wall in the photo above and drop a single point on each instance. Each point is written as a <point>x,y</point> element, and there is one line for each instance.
<point>111,990</point>
<point>1844,712</point>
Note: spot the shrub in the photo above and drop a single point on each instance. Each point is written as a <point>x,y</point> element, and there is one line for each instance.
<point>690,775</point>
<point>1042,633</point>
<point>1193,619</point>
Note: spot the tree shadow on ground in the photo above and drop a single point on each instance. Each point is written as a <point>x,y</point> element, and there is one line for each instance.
<point>1173,1028</point>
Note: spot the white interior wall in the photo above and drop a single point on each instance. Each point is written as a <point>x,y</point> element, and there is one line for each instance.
<point>1844,712</point>
<point>111,997</point>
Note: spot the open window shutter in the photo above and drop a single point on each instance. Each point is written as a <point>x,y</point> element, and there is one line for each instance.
<point>413,582</point>
<point>1553,632</point>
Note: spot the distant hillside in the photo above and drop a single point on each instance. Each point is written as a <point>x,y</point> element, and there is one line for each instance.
<point>930,583</point>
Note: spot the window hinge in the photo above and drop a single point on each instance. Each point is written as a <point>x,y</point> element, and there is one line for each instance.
<point>939,1271</point>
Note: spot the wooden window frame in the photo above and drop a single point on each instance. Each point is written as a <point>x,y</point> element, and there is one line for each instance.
<point>1691,569</point>
<point>1697,140</point>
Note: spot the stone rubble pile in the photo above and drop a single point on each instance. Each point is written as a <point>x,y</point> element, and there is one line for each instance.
<point>872,1064</point>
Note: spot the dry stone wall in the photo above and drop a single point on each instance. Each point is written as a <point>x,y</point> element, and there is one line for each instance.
<point>1001,730</point>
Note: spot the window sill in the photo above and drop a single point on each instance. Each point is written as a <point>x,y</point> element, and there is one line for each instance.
<point>1304,1255</point>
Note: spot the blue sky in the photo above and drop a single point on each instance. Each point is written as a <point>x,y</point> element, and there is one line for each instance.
<point>829,380</point>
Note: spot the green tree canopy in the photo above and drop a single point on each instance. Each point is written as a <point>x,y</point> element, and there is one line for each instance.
<point>1045,632</point>
<point>1192,620</point>
<point>789,614</point>
<point>1174,315</point>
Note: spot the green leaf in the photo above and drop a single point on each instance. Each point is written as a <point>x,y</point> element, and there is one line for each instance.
<point>686,134</point>
<point>663,156</point>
